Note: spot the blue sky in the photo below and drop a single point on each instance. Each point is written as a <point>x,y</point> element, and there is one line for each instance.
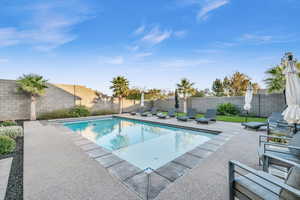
<point>153,43</point>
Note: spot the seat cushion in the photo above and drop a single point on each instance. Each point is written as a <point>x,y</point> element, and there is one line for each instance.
<point>295,141</point>
<point>183,118</point>
<point>254,125</point>
<point>293,180</point>
<point>161,115</point>
<point>202,120</point>
<point>252,190</point>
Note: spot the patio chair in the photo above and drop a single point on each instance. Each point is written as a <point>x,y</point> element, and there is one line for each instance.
<point>171,113</point>
<point>277,125</point>
<point>255,184</point>
<point>209,116</point>
<point>287,148</point>
<point>191,114</point>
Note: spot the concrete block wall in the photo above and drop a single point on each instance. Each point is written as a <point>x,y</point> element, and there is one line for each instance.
<point>16,106</point>
<point>128,105</point>
<point>262,105</point>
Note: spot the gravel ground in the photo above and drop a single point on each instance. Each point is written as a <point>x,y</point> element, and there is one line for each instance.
<point>15,182</point>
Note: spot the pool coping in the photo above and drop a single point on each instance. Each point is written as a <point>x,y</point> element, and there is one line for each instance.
<point>147,184</point>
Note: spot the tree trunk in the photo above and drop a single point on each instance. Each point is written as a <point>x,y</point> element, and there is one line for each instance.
<point>120,105</point>
<point>33,108</point>
<point>184,104</point>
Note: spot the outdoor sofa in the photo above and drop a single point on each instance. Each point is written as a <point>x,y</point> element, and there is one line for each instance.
<point>248,183</point>
<point>287,148</point>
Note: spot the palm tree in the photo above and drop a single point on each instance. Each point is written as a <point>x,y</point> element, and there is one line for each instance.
<point>35,86</point>
<point>276,79</point>
<point>120,87</point>
<point>185,87</point>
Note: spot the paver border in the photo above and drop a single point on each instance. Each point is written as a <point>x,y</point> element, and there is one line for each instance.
<point>163,176</point>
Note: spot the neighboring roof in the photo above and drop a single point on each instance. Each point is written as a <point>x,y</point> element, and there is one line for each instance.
<point>87,95</point>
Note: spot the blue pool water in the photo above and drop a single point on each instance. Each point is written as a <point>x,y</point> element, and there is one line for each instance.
<point>143,144</point>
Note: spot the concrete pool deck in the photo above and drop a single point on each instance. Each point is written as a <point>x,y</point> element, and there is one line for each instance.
<point>56,168</point>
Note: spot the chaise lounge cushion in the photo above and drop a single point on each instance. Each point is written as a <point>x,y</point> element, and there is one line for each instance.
<point>254,125</point>
<point>295,141</point>
<point>203,120</point>
<point>183,118</point>
<point>161,115</point>
<point>293,180</point>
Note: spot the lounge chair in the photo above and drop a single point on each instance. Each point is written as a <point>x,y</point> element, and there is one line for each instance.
<point>287,148</point>
<point>248,183</point>
<point>153,111</point>
<point>191,114</point>
<point>209,116</point>
<point>275,124</point>
<point>171,113</point>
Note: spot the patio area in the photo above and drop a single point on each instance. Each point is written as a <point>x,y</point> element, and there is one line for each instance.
<point>55,167</point>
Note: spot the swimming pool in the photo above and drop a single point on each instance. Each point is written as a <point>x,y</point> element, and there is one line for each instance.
<point>143,144</point>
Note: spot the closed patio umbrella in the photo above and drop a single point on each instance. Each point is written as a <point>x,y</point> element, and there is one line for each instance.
<point>176,101</point>
<point>248,99</point>
<point>292,112</point>
<point>142,100</point>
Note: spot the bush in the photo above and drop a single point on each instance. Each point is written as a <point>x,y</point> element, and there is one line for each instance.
<point>8,123</point>
<point>11,131</point>
<point>7,145</point>
<point>63,113</point>
<point>80,111</point>
<point>228,109</point>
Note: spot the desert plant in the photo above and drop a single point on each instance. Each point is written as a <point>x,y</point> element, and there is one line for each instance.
<point>80,111</point>
<point>120,87</point>
<point>7,145</point>
<point>11,131</point>
<point>227,109</point>
<point>8,123</point>
<point>63,113</point>
<point>35,86</point>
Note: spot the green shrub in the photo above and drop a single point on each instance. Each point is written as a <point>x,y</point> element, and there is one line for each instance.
<point>228,109</point>
<point>80,111</point>
<point>63,113</point>
<point>8,123</point>
<point>102,112</point>
<point>7,145</point>
<point>11,131</point>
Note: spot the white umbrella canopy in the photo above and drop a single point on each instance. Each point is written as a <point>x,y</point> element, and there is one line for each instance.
<point>248,97</point>
<point>142,100</point>
<point>292,112</point>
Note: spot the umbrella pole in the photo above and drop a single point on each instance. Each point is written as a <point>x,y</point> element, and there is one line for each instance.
<point>295,128</point>
<point>247,116</point>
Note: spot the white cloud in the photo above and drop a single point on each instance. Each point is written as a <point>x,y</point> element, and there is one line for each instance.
<point>180,64</point>
<point>139,30</point>
<point>118,60</point>
<point>156,36</point>
<point>256,38</point>
<point>209,6</point>
<point>49,26</point>
<point>142,55</point>
<point>180,34</point>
